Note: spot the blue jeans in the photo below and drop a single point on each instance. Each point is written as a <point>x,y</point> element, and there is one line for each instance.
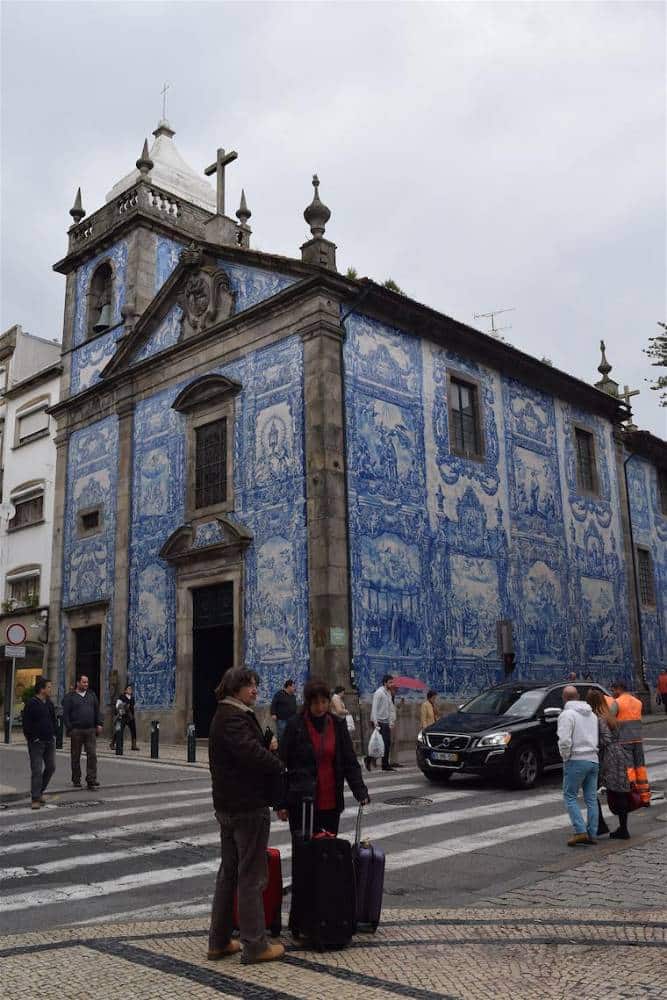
<point>581,774</point>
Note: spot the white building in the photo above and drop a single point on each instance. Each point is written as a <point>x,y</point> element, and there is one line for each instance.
<point>29,383</point>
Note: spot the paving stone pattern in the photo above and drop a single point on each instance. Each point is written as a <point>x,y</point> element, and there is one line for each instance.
<point>463,954</point>
<point>634,880</point>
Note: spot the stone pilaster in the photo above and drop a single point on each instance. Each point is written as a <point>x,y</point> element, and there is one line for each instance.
<point>326,500</point>
<point>120,623</point>
<point>628,556</point>
<point>141,267</point>
<point>68,333</point>
<point>54,666</point>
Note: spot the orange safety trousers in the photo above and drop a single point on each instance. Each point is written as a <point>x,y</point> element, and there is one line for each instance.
<point>637,774</point>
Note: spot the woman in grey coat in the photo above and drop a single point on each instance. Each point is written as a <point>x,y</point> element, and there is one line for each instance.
<point>614,763</point>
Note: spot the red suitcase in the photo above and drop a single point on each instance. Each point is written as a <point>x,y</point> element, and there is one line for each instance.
<point>273,895</point>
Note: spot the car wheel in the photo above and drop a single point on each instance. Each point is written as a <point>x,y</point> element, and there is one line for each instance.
<point>439,777</point>
<point>525,767</point>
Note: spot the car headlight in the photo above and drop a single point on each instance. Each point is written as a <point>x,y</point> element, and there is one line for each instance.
<point>420,736</point>
<point>495,740</point>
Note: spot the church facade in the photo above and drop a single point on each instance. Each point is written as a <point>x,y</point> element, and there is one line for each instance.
<point>262,461</point>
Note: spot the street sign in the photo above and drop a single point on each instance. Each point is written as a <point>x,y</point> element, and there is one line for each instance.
<point>16,634</point>
<point>15,652</point>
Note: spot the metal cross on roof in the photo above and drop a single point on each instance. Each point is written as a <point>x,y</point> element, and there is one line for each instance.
<point>164,90</point>
<point>218,168</point>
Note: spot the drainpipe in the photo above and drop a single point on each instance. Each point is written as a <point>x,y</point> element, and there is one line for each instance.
<point>638,606</point>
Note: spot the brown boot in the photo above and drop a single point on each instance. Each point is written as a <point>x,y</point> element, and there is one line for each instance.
<point>579,838</point>
<point>270,954</point>
<point>232,948</point>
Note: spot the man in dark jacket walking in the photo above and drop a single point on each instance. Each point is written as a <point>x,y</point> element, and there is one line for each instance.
<point>83,724</point>
<point>245,776</point>
<point>283,706</point>
<point>39,729</point>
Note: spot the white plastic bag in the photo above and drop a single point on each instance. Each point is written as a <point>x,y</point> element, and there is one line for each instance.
<point>376,744</point>
<point>350,722</point>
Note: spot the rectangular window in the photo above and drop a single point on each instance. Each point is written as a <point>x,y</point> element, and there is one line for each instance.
<point>24,592</point>
<point>662,490</point>
<point>645,574</point>
<point>32,425</point>
<point>586,472</point>
<point>466,438</point>
<point>29,510</point>
<point>211,463</point>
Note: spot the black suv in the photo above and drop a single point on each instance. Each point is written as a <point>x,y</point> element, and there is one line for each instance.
<point>508,731</point>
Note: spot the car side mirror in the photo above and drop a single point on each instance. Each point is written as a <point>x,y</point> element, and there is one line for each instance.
<point>551,713</point>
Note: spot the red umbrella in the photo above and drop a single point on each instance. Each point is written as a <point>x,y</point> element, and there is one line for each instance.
<point>410,682</point>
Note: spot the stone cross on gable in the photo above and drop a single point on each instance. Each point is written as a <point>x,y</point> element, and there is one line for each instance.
<point>218,168</point>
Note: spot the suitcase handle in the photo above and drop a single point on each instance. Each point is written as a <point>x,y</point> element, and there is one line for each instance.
<point>304,802</point>
<point>357,832</point>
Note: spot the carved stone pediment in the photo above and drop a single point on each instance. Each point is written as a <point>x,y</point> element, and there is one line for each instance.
<point>206,298</point>
<point>207,536</point>
<point>205,391</point>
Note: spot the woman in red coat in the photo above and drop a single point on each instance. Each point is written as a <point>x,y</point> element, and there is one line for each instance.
<point>317,751</point>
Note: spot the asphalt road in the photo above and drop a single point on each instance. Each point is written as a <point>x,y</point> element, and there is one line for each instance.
<point>146,843</point>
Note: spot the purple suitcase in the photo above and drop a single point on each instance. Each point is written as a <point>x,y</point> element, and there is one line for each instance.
<point>369,875</point>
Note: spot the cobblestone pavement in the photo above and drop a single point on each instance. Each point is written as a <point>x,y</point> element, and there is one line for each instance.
<point>634,879</point>
<point>471,954</point>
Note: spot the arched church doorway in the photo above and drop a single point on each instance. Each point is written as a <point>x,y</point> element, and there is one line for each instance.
<point>212,648</point>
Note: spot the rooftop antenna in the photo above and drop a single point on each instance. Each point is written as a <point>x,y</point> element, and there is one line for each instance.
<point>166,86</point>
<point>496,330</point>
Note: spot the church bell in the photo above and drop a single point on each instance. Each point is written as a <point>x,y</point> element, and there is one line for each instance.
<point>103,321</point>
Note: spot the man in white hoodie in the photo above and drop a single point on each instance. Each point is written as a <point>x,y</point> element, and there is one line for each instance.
<point>578,746</point>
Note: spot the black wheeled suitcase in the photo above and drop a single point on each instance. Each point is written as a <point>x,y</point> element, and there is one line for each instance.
<point>324,902</point>
<point>369,863</point>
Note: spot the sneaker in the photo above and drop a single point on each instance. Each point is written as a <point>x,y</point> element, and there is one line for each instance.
<point>76,784</point>
<point>36,804</point>
<point>270,954</point>
<point>577,839</point>
<point>232,948</point>
<point>93,784</point>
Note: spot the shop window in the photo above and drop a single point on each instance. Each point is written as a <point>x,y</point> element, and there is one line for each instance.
<point>587,477</point>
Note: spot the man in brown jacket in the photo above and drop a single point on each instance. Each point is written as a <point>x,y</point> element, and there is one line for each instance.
<point>244,775</point>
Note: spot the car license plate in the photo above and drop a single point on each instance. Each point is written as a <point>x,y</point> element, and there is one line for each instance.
<point>439,755</point>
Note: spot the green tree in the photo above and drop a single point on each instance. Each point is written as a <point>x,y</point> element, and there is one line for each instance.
<point>352,273</point>
<point>657,351</point>
<point>392,286</point>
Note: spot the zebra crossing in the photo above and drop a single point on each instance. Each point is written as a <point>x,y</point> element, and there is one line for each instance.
<point>86,859</point>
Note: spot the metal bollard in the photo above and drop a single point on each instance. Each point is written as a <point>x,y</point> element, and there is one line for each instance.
<point>8,727</point>
<point>60,732</point>
<point>192,744</point>
<point>155,739</point>
<point>118,736</point>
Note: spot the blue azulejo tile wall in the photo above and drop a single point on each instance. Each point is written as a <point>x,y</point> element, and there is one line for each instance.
<point>649,526</point>
<point>88,562</point>
<point>269,502</point>
<point>443,547</point>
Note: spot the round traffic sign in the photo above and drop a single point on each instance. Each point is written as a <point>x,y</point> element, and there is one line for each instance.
<point>16,634</point>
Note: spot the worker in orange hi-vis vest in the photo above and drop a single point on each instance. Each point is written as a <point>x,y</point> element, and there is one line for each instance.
<point>661,688</point>
<point>629,719</point>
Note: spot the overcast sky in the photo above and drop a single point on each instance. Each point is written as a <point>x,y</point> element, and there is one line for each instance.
<point>484,155</point>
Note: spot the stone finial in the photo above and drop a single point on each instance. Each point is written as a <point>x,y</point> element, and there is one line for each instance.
<point>604,367</point>
<point>243,213</point>
<point>606,384</point>
<point>144,163</point>
<point>317,214</point>
<point>77,210</point>
<point>164,128</point>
